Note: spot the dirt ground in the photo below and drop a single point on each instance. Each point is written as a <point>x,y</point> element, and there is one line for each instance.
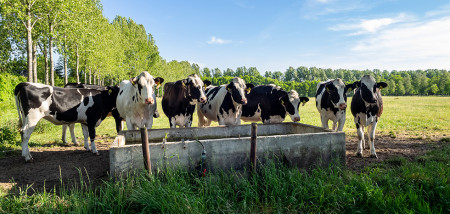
<point>55,164</point>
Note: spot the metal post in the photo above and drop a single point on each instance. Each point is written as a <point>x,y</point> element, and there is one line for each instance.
<point>146,150</point>
<point>253,147</point>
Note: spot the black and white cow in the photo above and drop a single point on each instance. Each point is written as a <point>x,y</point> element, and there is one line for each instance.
<point>180,98</point>
<point>270,104</point>
<point>114,113</point>
<point>331,102</point>
<point>224,103</point>
<point>61,106</point>
<point>367,107</point>
<point>136,101</point>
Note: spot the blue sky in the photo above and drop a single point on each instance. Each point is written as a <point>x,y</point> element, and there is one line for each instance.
<point>272,35</point>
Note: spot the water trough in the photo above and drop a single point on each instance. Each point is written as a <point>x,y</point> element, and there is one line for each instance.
<point>228,147</point>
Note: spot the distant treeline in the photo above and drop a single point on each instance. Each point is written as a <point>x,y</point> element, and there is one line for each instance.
<point>304,80</point>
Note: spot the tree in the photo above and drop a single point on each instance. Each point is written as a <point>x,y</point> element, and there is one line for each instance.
<point>27,12</point>
<point>289,74</point>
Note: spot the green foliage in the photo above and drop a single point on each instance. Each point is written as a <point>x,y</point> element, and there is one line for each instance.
<point>7,84</point>
<point>304,80</point>
<point>8,134</point>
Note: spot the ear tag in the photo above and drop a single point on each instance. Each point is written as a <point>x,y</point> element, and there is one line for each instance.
<point>303,103</point>
<point>381,87</point>
<point>132,82</point>
<point>109,91</point>
<point>229,89</point>
<point>182,82</point>
<point>157,83</point>
<point>327,89</point>
<point>282,102</point>
<point>248,90</point>
<point>349,89</point>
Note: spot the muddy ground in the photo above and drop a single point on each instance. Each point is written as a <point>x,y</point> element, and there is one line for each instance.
<point>55,164</point>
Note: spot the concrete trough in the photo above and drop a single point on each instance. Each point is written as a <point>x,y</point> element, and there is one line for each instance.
<point>228,147</point>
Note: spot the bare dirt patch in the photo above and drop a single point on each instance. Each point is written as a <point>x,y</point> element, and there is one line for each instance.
<point>68,164</point>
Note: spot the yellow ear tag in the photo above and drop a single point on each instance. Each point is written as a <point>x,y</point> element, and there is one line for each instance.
<point>303,103</point>
<point>381,87</point>
<point>282,102</point>
<point>157,83</point>
<point>229,89</point>
<point>248,90</point>
<point>109,91</point>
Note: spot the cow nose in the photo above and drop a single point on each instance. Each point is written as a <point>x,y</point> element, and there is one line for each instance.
<point>296,119</point>
<point>203,99</point>
<point>244,100</point>
<point>343,106</point>
<point>149,100</point>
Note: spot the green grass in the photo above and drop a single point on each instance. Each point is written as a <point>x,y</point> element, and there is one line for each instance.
<point>395,186</point>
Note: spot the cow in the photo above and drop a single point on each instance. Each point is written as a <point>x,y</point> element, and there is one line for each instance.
<point>136,101</point>
<point>331,102</point>
<point>224,103</point>
<point>114,113</point>
<point>180,98</point>
<point>270,104</point>
<point>367,107</point>
<point>61,106</point>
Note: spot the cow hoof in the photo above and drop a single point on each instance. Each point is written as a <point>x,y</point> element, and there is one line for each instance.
<point>96,153</point>
<point>373,156</point>
<point>29,161</point>
<point>359,155</point>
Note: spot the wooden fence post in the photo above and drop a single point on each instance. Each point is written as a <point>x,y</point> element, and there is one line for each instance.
<point>146,150</point>
<point>253,147</point>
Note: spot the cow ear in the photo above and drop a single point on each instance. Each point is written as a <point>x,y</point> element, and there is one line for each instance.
<point>381,85</point>
<point>133,80</point>
<point>158,80</point>
<point>350,87</point>
<point>229,86</point>
<point>207,83</point>
<point>304,100</point>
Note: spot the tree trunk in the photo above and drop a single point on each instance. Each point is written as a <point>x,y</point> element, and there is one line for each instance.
<point>85,76</point>
<point>50,51</point>
<point>44,51</point>
<point>77,65</point>
<point>65,61</point>
<point>35,79</point>
<point>29,46</point>
<point>90,76</point>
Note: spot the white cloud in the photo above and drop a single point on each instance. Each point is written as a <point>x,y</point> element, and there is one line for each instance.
<point>419,45</point>
<point>215,40</point>
<point>364,26</point>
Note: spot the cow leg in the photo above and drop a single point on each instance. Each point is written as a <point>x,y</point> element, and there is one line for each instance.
<point>371,137</point>
<point>201,118</point>
<point>72,134</point>
<point>86,137</point>
<point>324,122</point>
<point>27,128</point>
<point>149,122</point>
<point>360,132</point>
<point>130,125</point>
<point>117,119</point>
<point>341,124</point>
<point>172,122</point>
<point>63,136</point>
<point>91,128</point>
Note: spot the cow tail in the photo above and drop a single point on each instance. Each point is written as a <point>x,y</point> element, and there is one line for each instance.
<point>19,110</point>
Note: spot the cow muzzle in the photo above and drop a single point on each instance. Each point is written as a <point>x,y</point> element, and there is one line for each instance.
<point>342,106</point>
<point>296,119</point>
<point>244,101</point>
<point>203,99</point>
<point>149,101</point>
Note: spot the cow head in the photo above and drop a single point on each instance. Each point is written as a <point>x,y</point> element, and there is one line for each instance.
<point>291,103</point>
<point>144,84</point>
<point>338,92</point>
<point>238,90</point>
<point>369,89</point>
<point>194,90</point>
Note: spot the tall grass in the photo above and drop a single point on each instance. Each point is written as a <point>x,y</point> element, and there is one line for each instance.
<point>395,186</point>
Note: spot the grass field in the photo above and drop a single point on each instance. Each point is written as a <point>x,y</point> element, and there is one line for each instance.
<point>397,185</point>
<point>415,117</point>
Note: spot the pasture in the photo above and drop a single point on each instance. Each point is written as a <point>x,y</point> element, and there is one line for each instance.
<point>405,178</point>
